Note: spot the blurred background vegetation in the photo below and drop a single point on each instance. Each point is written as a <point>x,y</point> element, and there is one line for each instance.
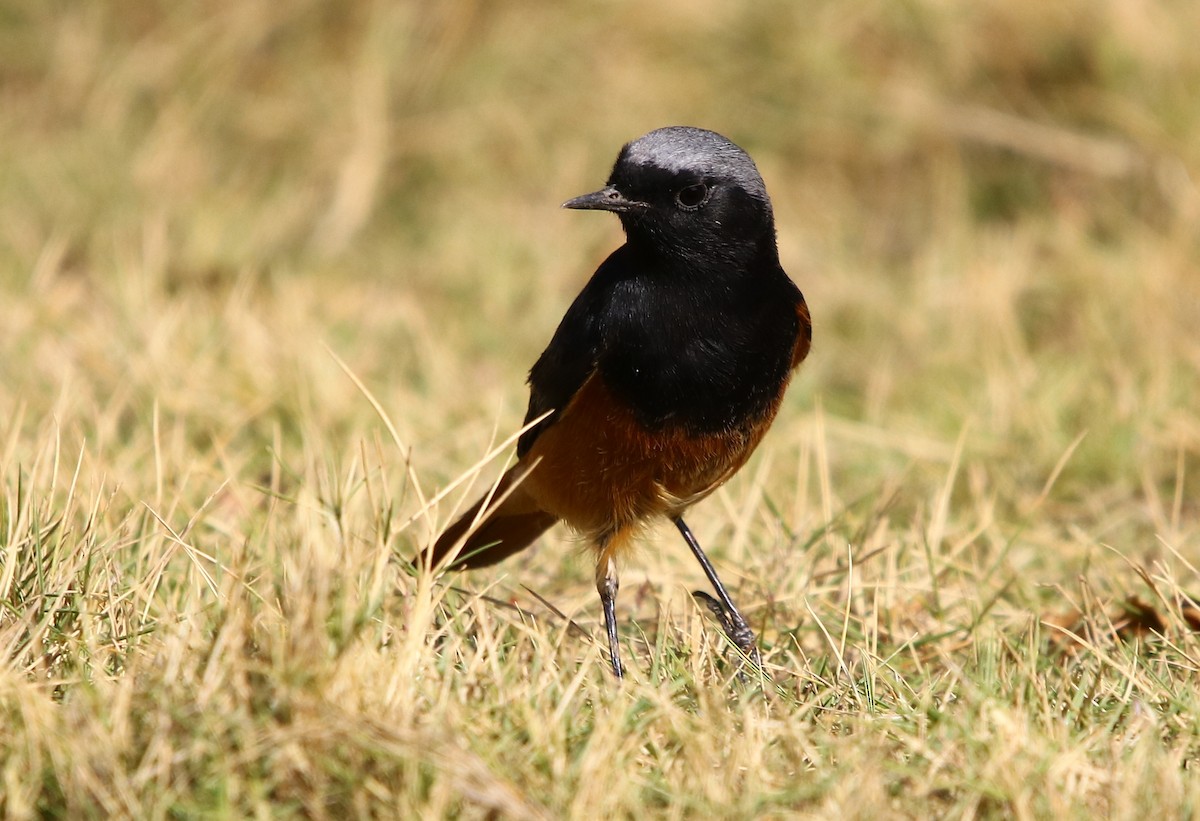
<point>986,202</point>
<point>992,208</point>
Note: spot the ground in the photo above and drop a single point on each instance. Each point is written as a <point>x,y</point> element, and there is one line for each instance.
<point>271,277</point>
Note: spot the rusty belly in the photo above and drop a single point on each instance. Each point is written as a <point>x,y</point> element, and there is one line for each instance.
<point>599,470</point>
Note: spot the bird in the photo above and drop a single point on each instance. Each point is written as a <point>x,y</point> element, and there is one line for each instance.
<point>662,377</point>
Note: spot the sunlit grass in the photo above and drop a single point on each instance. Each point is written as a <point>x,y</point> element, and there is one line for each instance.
<point>271,277</point>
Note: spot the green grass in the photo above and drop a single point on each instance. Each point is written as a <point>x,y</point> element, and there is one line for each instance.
<point>204,607</point>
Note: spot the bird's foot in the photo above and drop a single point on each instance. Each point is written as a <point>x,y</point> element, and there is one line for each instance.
<point>735,627</point>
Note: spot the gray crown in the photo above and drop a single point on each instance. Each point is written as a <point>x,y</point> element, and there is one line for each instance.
<point>683,148</point>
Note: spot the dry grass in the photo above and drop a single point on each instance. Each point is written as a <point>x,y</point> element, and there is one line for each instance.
<point>993,211</point>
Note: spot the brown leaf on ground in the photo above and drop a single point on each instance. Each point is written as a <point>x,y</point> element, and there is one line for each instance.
<point>1128,619</point>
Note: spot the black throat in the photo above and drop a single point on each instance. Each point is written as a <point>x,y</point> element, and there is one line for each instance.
<point>700,343</point>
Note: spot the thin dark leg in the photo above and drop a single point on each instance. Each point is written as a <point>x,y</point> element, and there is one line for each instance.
<point>607,584</point>
<point>736,627</point>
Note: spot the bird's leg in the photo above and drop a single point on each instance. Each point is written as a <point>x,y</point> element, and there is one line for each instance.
<point>606,585</point>
<point>735,625</point>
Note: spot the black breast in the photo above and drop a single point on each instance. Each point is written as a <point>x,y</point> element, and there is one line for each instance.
<point>704,356</point>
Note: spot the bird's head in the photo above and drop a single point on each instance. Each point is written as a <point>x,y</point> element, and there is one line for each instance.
<point>688,193</point>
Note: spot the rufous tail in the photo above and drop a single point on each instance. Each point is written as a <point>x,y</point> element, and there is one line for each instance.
<point>510,526</point>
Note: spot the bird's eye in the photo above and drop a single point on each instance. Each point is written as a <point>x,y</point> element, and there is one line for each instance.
<point>692,196</point>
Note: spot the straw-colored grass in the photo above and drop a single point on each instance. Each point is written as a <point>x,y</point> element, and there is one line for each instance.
<point>271,275</point>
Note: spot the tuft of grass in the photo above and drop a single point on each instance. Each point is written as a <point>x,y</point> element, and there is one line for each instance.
<point>270,278</point>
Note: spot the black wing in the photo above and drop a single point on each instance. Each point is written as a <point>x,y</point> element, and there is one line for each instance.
<point>574,350</point>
